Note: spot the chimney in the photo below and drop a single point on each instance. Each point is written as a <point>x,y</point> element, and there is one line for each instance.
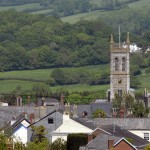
<point>122,112</point>
<point>28,99</point>
<point>90,137</point>
<point>67,109</point>
<point>110,144</point>
<point>75,111</point>
<point>43,101</point>
<point>31,118</point>
<point>62,99</point>
<point>19,101</point>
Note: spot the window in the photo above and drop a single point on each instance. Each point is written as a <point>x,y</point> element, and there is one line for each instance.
<point>123,64</point>
<point>146,136</point>
<point>116,64</point>
<point>84,114</point>
<point>50,120</point>
<point>120,92</point>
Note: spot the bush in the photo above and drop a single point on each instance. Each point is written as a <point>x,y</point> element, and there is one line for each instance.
<point>74,141</point>
<point>99,113</point>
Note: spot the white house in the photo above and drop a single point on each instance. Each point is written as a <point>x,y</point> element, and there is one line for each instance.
<point>21,132</point>
<point>69,126</point>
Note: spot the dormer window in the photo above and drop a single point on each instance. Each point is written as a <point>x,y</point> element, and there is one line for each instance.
<point>50,120</point>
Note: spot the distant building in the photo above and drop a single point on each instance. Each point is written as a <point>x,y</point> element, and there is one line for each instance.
<point>119,68</point>
<point>134,48</point>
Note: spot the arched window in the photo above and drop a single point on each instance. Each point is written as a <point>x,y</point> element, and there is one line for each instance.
<point>50,120</point>
<point>116,64</point>
<point>123,64</point>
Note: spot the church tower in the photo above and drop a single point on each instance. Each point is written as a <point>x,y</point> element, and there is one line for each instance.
<point>119,67</point>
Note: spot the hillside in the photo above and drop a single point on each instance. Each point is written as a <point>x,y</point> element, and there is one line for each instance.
<point>131,18</point>
<point>9,81</point>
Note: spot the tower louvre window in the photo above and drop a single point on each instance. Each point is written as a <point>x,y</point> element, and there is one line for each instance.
<point>120,93</point>
<point>123,64</point>
<point>116,64</point>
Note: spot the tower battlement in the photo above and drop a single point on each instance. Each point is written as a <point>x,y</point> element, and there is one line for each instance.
<point>119,67</point>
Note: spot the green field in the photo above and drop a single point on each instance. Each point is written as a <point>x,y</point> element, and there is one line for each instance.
<point>140,5</point>
<point>22,7</point>
<point>10,80</point>
<point>84,16</point>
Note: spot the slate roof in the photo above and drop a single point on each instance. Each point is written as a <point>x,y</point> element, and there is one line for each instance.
<point>126,123</point>
<point>86,122</point>
<point>11,129</point>
<point>47,100</point>
<point>119,132</point>
<point>8,112</point>
<point>101,141</point>
<point>105,106</point>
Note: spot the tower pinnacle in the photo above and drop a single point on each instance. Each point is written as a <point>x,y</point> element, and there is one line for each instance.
<point>111,39</point>
<point>128,38</point>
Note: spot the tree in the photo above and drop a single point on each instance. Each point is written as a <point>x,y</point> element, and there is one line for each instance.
<point>58,144</point>
<point>74,141</point>
<point>74,98</point>
<point>99,113</point>
<point>139,110</point>
<point>38,134</point>
<point>147,147</point>
<point>3,140</point>
<point>40,90</point>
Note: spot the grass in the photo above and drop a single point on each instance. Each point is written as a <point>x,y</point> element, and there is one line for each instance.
<point>145,80</point>
<point>41,11</point>
<point>10,84</point>
<point>22,7</point>
<point>44,74</point>
<point>140,5</point>
<point>84,16</point>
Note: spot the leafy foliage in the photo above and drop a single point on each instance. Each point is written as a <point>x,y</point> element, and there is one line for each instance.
<point>139,110</point>
<point>147,147</point>
<point>58,144</point>
<point>34,41</point>
<point>38,134</point>
<point>99,113</point>
<point>74,141</point>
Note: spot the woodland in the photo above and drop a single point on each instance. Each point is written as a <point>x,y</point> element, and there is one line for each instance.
<point>35,41</point>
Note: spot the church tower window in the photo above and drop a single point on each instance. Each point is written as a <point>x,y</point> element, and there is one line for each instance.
<point>123,64</point>
<point>116,64</point>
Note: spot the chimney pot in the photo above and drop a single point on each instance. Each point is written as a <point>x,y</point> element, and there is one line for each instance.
<point>110,144</point>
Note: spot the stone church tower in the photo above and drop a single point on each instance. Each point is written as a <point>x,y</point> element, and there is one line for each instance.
<point>119,67</point>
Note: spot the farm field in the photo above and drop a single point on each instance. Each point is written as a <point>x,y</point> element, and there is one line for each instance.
<point>22,7</point>
<point>27,78</point>
<point>93,15</point>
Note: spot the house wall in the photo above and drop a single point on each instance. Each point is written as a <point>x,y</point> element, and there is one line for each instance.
<point>57,121</point>
<point>140,133</point>
<point>69,126</point>
<point>21,135</point>
<point>123,146</point>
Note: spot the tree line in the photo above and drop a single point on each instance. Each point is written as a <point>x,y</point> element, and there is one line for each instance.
<point>35,41</point>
